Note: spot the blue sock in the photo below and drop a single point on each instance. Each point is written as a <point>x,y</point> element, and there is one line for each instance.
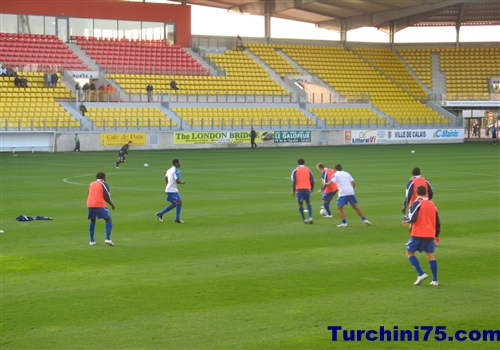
<point>363,218</point>
<point>178,212</point>
<point>434,269</point>
<point>414,261</point>
<point>344,221</point>
<point>109,226</point>
<point>92,230</point>
<point>327,208</point>
<point>301,211</point>
<point>309,207</point>
<point>166,210</point>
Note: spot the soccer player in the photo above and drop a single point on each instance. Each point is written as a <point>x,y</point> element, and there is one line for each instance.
<point>425,229</point>
<point>173,178</point>
<point>98,196</point>
<point>302,185</point>
<point>346,194</point>
<point>328,191</point>
<point>411,186</point>
<point>121,154</point>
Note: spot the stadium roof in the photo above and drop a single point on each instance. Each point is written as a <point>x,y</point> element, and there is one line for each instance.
<point>386,15</point>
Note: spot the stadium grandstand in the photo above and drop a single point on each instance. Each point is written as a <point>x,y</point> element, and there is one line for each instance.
<point>107,63</point>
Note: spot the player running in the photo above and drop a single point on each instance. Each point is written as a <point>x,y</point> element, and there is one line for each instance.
<point>425,229</point>
<point>346,194</point>
<point>173,178</point>
<point>121,154</point>
<point>328,191</point>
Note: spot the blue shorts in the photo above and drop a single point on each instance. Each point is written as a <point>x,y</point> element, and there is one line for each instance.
<point>303,195</point>
<point>328,196</point>
<point>415,244</point>
<point>351,199</point>
<point>98,213</point>
<point>173,197</point>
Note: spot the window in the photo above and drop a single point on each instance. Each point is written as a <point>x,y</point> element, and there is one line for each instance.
<point>8,23</point>
<point>105,28</point>
<point>152,31</point>
<point>170,30</point>
<point>81,27</point>
<point>129,29</point>
<point>50,25</point>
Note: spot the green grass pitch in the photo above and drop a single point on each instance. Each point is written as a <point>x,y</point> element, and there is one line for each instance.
<point>243,272</point>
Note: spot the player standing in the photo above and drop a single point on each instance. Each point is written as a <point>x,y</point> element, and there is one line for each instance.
<point>121,154</point>
<point>411,186</point>
<point>328,191</point>
<point>173,178</point>
<point>346,185</point>
<point>302,185</point>
<point>98,196</point>
<point>425,229</point>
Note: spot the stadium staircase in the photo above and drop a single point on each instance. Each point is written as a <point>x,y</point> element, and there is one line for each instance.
<point>438,76</point>
<point>421,76</point>
<point>202,61</point>
<point>276,71</point>
<point>91,63</point>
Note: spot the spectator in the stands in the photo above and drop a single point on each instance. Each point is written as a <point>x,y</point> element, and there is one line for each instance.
<point>149,89</point>
<point>83,109</point>
<point>6,71</point>
<point>11,72</point>
<point>239,44</point>
<point>78,91</point>
<point>17,81</point>
<point>173,85</point>
<point>92,93</point>
<point>53,79</point>
<point>85,89</point>
<point>20,82</point>
<point>102,92</point>
<point>46,79</point>
<point>110,89</point>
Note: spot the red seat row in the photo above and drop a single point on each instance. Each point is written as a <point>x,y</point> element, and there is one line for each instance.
<point>38,50</point>
<point>22,65</point>
<point>14,37</point>
<point>80,39</point>
<point>137,69</point>
<point>150,55</point>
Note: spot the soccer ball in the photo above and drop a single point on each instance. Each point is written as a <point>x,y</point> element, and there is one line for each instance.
<point>323,212</point>
<point>146,165</point>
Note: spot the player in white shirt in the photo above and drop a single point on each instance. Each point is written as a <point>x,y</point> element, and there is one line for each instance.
<point>173,178</point>
<point>346,194</point>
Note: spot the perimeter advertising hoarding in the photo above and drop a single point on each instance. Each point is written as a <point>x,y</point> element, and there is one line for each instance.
<point>222,137</point>
<point>357,137</point>
<point>215,137</point>
<point>486,104</point>
<point>120,139</point>
<point>292,136</point>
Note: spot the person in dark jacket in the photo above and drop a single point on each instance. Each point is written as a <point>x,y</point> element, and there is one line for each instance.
<point>121,154</point>
<point>54,78</point>
<point>149,89</point>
